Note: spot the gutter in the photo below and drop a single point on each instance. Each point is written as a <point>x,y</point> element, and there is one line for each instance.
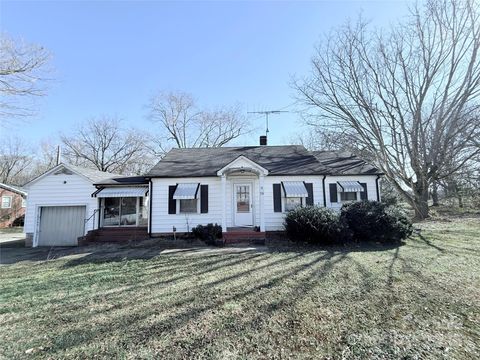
<point>324,194</point>
<point>377,187</point>
<point>94,194</point>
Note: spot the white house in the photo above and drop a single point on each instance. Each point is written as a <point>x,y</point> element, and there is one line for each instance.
<point>237,187</point>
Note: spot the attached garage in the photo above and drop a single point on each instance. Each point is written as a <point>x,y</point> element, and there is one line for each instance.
<point>61,225</point>
<point>60,206</point>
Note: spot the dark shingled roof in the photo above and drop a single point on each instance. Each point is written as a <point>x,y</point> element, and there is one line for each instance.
<point>345,163</point>
<point>125,180</point>
<point>278,160</point>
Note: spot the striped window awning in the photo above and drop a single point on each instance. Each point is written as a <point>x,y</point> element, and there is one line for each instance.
<point>349,186</point>
<point>294,189</point>
<point>124,191</point>
<point>186,191</point>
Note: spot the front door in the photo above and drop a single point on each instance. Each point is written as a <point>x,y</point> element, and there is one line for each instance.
<point>243,205</point>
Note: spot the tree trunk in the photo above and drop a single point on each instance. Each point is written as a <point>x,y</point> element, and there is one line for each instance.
<point>421,201</point>
<point>435,194</point>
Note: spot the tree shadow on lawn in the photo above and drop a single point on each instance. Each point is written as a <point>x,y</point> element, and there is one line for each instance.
<point>427,242</point>
<point>148,249</point>
<point>99,253</point>
<point>135,313</point>
<point>126,252</point>
<point>348,247</point>
<point>141,309</point>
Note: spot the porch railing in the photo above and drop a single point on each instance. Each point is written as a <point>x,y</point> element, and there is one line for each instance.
<point>91,216</point>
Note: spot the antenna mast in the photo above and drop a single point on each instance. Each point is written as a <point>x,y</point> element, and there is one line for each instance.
<point>267,113</point>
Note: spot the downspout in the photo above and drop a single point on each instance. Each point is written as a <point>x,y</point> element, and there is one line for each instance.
<point>99,200</point>
<point>99,211</point>
<point>377,187</point>
<point>324,194</point>
<point>150,192</point>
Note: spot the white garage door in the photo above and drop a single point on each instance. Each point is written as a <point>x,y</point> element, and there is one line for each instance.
<point>61,225</point>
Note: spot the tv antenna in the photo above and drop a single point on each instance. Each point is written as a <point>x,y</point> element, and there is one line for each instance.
<point>267,113</point>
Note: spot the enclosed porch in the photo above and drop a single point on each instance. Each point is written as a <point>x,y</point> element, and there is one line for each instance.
<point>123,207</point>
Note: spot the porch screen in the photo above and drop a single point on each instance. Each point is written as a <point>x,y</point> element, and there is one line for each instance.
<point>186,191</point>
<point>295,189</point>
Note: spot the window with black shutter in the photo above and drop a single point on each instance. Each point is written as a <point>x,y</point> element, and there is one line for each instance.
<point>204,199</point>
<point>333,193</point>
<point>277,198</point>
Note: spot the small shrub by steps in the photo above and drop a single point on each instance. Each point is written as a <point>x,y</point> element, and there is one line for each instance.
<point>209,233</point>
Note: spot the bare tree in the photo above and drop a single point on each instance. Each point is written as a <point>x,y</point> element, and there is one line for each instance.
<point>45,157</point>
<point>22,77</point>
<point>104,144</point>
<point>15,161</point>
<point>184,125</point>
<point>405,96</point>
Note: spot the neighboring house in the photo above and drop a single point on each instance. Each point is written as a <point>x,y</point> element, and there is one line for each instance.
<point>236,187</point>
<point>12,206</point>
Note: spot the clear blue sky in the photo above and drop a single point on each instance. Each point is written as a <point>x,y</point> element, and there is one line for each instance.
<point>109,57</point>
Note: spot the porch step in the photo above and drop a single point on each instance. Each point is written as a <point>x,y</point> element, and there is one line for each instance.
<point>117,234</point>
<point>235,237</point>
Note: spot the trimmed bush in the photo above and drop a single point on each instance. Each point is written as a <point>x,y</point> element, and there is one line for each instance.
<point>209,233</point>
<point>313,224</point>
<point>375,221</point>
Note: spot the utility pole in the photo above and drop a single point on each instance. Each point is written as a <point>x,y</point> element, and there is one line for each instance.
<point>267,113</point>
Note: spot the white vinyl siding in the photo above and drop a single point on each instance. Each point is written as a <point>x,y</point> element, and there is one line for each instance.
<point>162,222</point>
<point>60,190</point>
<point>274,220</point>
<point>368,179</point>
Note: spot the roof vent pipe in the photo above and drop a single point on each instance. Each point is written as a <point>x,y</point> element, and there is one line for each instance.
<point>263,140</point>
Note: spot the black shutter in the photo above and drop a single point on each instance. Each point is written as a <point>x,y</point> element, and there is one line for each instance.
<point>309,199</point>
<point>204,199</point>
<point>364,193</point>
<point>172,203</point>
<point>277,198</point>
<point>333,193</point>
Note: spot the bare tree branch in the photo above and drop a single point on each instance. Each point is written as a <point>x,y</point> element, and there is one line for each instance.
<point>183,124</point>
<point>15,161</point>
<point>103,143</point>
<point>405,96</point>
<point>22,77</point>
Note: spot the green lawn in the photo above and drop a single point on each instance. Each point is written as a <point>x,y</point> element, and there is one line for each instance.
<point>419,300</point>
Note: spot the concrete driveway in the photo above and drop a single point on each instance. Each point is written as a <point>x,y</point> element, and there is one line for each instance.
<point>14,237</point>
